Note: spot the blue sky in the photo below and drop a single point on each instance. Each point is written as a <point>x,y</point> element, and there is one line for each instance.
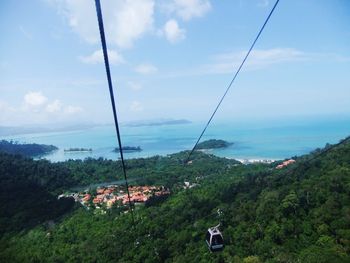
<point>172,59</point>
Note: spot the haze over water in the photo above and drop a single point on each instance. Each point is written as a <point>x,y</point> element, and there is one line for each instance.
<point>259,140</point>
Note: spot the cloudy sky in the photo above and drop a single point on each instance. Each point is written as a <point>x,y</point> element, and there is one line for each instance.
<point>172,59</point>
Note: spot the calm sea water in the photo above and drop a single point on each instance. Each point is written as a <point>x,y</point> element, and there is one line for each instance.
<point>273,140</point>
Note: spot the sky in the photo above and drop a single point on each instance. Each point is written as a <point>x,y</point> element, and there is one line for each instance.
<point>172,59</point>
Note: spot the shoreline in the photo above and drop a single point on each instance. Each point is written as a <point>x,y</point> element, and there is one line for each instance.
<point>256,160</point>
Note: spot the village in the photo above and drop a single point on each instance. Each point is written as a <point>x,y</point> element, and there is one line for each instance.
<point>116,195</point>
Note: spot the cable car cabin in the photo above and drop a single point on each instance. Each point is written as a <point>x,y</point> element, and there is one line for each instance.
<point>214,239</point>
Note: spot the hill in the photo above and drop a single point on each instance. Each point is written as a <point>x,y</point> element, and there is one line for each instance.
<point>30,150</point>
<point>27,185</point>
<point>296,214</point>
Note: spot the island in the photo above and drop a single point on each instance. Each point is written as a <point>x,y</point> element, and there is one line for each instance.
<point>302,210</point>
<point>77,150</point>
<point>129,149</point>
<point>26,149</point>
<point>213,144</point>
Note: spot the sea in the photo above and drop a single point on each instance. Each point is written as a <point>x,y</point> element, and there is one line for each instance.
<point>252,140</point>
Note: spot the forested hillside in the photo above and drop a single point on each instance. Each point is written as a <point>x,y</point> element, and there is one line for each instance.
<point>300,213</point>
<point>29,189</point>
<point>30,149</point>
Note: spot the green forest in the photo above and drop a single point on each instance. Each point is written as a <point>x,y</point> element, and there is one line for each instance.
<point>213,144</point>
<point>300,213</point>
<point>30,149</point>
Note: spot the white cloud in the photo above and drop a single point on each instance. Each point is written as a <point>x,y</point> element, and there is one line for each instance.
<point>36,108</point>
<point>8,113</point>
<point>34,99</point>
<point>2,105</point>
<point>55,106</point>
<point>130,21</point>
<point>228,62</point>
<point>5,107</point>
<point>81,16</point>
<point>97,57</point>
<point>173,32</point>
<point>146,69</point>
<point>36,102</point>
<point>134,85</point>
<point>136,106</point>
<point>125,21</point>
<point>263,3</point>
<point>187,9</point>
<point>25,33</point>
<point>72,109</point>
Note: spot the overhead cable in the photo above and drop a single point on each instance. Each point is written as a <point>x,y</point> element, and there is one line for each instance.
<point>234,78</point>
<point>110,86</point>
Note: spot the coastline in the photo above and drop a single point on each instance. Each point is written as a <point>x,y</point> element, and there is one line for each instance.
<point>251,145</point>
<point>254,161</point>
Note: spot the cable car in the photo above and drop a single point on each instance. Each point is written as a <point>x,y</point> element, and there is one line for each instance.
<point>214,239</point>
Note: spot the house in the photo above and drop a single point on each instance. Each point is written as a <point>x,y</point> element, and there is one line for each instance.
<point>285,163</point>
<point>100,190</point>
<point>110,202</point>
<point>108,191</point>
<point>86,198</point>
<point>98,199</point>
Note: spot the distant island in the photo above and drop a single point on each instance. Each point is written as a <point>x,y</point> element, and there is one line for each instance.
<point>15,130</point>
<point>129,149</point>
<point>213,144</point>
<point>292,214</point>
<point>77,150</point>
<point>157,122</point>
<point>29,150</point>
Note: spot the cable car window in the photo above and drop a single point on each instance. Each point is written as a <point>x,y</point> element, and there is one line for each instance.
<point>208,237</point>
<point>217,240</point>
